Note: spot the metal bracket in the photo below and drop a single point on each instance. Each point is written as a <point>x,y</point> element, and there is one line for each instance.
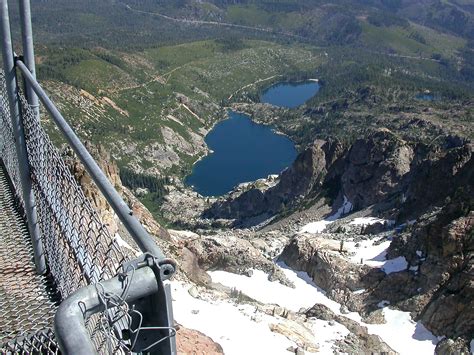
<point>17,58</point>
<point>152,330</point>
<point>165,267</point>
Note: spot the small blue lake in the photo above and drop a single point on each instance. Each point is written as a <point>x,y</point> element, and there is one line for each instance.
<point>290,95</point>
<point>425,97</point>
<point>242,151</point>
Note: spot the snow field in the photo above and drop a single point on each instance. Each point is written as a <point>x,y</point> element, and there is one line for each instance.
<point>400,332</point>
<point>239,329</point>
<point>228,324</point>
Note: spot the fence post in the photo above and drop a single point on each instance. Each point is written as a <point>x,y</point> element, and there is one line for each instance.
<point>28,53</point>
<point>20,143</point>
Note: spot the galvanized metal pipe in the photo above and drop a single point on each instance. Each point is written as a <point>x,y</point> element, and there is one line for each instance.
<point>136,230</point>
<point>20,144</point>
<point>69,321</point>
<point>28,52</point>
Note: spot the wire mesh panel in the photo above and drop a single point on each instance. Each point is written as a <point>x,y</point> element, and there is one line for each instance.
<point>7,141</point>
<point>79,249</point>
<point>27,300</point>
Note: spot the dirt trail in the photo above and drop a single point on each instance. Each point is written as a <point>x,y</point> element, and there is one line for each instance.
<point>251,84</point>
<point>213,23</point>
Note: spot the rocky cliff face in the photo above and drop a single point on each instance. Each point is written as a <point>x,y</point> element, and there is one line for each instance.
<point>436,285</point>
<point>379,169</point>
<point>437,174</point>
<point>108,216</point>
<point>375,168</point>
<point>441,293</point>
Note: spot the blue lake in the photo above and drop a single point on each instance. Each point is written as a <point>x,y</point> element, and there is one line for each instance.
<point>242,151</point>
<point>425,97</point>
<point>245,151</point>
<point>290,95</point>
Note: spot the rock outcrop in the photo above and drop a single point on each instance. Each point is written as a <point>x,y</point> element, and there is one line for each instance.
<point>375,168</point>
<point>444,170</point>
<point>326,266</point>
<point>192,342</point>
<point>379,169</point>
<point>304,176</point>
<point>442,290</point>
<point>359,341</point>
<point>437,286</point>
<point>231,254</point>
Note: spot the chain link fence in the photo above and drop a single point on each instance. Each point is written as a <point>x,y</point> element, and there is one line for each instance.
<point>79,249</point>
<point>7,141</point>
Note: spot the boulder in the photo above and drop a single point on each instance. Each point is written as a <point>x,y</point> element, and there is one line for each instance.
<point>233,255</point>
<point>190,341</point>
<point>448,346</point>
<point>297,333</point>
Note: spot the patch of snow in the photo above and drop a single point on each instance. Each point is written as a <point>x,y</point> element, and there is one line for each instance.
<point>344,209</point>
<point>395,265</point>
<point>404,335</point>
<point>304,295</point>
<point>228,324</point>
<point>358,292</point>
<point>375,256</point>
<point>383,304</point>
<point>366,221</point>
<point>400,332</point>
<point>315,227</point>
<point>414,268</point>
<point>370,254</point>
<point>326,334</point>
<point>471,345</point>
<point>320,226</point>
<point>419,253</point>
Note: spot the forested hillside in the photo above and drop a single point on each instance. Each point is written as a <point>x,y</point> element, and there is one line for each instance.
<point>149,79</point>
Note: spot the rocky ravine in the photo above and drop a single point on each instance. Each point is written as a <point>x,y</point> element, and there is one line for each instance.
<point>423,266</point>
<point>429,186</point>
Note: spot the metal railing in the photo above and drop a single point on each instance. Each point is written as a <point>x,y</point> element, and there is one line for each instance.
<point>109,300</point>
